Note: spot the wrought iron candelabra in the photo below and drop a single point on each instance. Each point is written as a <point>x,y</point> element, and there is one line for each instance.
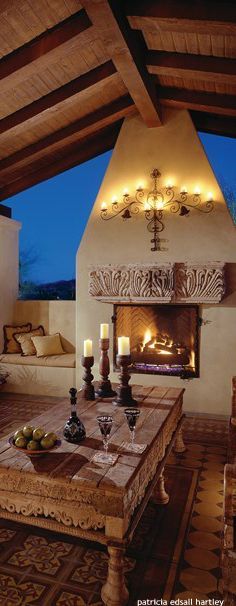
<point>153,205</point>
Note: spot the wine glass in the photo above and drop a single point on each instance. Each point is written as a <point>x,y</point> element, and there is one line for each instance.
<point>132,415</point>
<point>105,425</point>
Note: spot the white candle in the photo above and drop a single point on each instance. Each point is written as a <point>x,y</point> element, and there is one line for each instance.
<point>104,331</point>
<point>123,346</point>
<point>88,348</point>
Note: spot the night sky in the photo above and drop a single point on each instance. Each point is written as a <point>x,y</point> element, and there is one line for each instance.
<point>54,213</point>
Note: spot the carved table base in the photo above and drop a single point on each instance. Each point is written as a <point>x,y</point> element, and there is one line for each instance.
<point>115,592</point>
<point>179,443</point>
<point>160,495</point>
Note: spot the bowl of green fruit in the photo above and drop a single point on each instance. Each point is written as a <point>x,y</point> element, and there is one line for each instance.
<point>34,441</point>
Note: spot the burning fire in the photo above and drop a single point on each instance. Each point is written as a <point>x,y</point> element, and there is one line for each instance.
<point>148,337</point>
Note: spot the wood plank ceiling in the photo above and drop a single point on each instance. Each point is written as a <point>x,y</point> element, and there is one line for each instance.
<point>71,71</point>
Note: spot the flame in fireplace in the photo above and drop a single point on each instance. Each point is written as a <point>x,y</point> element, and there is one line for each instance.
<point>147,337</point>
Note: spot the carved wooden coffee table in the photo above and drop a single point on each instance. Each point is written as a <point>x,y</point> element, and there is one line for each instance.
<point>64,491</point>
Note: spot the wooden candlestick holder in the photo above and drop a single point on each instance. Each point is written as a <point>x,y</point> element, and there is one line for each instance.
<point>104,387</point>
<point>88,391</point>
<point>124,391</point>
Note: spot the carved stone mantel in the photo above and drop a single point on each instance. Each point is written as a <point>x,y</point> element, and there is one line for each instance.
<point>135,283</point>
<point>165,283</point>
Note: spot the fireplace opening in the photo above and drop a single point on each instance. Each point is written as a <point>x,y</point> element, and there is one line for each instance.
<point>164,339</point>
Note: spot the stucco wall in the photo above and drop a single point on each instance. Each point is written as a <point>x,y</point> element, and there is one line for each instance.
<point>176,151</point>
<point>9,270</point>
<point>54,316</point>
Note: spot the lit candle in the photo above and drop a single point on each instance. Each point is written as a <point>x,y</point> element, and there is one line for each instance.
<point>210,196</point>
<point>104,206</point>
<point>88,348</point>
<point>123,346</point>
<point>125,192</point>
<point>160,205</point>
<point>197,191</point>
<point>104,331</point>
<point>183,190</point>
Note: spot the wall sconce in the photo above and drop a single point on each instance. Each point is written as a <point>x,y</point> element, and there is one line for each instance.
<point>153,205</point>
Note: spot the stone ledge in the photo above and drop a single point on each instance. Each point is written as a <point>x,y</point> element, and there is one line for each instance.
<point>165,283</point>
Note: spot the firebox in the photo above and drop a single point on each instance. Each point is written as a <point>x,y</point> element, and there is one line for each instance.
<point>164,339</point>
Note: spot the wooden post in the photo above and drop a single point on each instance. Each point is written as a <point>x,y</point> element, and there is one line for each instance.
<point>179,443</point>
<point>115,592</point>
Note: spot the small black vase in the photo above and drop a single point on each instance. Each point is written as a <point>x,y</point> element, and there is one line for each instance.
<point>74,430</point>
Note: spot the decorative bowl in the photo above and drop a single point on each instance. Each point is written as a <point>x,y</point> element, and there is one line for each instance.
<point>34,453</point>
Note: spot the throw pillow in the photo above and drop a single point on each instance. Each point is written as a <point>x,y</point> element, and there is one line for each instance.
<point>25,340</point>
<point>10,345</point>
<point>48,346</point>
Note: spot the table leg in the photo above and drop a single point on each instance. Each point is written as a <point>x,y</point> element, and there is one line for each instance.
<point>179,443</point>
<point>160,495</point>
<point>115,592</point>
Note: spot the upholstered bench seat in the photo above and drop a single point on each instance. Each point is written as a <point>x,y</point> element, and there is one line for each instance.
<point>46,376</point>
<point>66,360</point>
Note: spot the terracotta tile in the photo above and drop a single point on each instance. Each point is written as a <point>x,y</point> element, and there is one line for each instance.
<point>206,523</point>
<point>195,579</point>
<point>201,558</point>
<point>210,496</point>
<point>208,509</point>
<point>204,540</point>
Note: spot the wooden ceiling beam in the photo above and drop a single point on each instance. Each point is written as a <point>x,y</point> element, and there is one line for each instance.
<point>200,101</point>
<point>201,17</point>
<point>85,126</point>
<point>43,50</point>
<point>126,53</point>
<point>91,78</point>
<point>214,124</point>
<point>197,67</point>
<point>88,148</point>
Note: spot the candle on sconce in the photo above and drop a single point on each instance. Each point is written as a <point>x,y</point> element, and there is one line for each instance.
<point>104,331</point>
<point>183,190</point>
<point>197,191</point>
<point>104,206</point>
<point>210,196</point>
<point>88,348</point>
<point>123,346</point>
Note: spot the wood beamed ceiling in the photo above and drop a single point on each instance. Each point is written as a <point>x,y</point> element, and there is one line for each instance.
<point>71,72</point>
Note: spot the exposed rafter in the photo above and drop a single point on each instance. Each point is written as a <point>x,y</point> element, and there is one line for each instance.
<point>91,78</point>
<point>214,124</point>
<point>197,67</point>
<point>188,99</point>
<point>197,17</point>
<point>74,132</point>
<point>88,148</point>
<point>43,50</point>
<point>126,54</point>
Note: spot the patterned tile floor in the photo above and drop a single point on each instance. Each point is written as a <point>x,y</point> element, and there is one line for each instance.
<point>175,551</point>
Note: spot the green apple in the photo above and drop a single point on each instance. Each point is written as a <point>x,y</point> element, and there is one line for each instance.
<point>38,434</point>
<point>33,445</point>
<point>47,443</point>
<point>28,431</point>
<point>21,442</point>
<point>18,434</point>
<point>51,435</point>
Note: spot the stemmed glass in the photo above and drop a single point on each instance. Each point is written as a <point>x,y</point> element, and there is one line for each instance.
<point>132,415</point>
<point>105,425</point>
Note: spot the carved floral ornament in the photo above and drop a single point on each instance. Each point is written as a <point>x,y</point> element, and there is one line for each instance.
<point>180,282</point>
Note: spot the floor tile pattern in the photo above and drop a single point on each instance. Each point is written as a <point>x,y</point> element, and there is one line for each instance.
<point>175,551</point>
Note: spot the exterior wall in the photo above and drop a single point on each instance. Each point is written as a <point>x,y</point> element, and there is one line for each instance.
<point>176,151</point>
<point>55,316</point>
<point>9,270</point>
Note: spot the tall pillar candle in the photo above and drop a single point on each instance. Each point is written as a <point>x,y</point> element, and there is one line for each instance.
<point>123,346</point>
<point>88,348</point>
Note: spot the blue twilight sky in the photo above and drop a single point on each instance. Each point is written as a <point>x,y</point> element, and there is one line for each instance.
<point>54,213</point>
